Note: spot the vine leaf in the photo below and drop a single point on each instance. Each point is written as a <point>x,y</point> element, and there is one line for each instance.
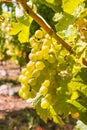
<point>77,105</point>
<point>70,5</point>
<point>46,114</point>
<point>65,21</point>
<point>22,31</point>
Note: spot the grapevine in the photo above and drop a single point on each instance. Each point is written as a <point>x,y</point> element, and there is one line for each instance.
<point>53,55</point>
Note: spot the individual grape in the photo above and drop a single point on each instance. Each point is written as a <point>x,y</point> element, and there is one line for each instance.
<point>26,95</point>
<point>51,58</point>
<point>32,41</point>
<point>45,56</point>
<point>30,66</point>
<point>52,50</point>
<point>20,92</point>
<point>32,81</point>
<point>32,57</point>
<point>43,90</point>
<point>56,46</point>
<point>39,55</point>
<point>35,73</point>
<point>60,59</point>
<point>23,79</point>
<point>20,78</point>
<point>39,65</point>
<point>25,87</point>
<point>33,50</point>
<point>47,36</point>
<point>35,46</point>
<point>24,70</point>
<point>45,49</point>
<point>28,74</point>
<point>48,97</point>
<point>44,103</point>
<point>39,34</point>
<point>46,83</point>
<point>47,42</point>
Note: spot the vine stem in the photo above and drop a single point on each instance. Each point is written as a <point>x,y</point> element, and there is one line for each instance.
<point>44,25</point>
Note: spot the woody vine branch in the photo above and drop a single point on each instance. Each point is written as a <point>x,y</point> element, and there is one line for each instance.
<point>44,25</point>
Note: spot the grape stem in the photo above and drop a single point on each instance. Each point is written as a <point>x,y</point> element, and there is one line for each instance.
<point>44,25</point>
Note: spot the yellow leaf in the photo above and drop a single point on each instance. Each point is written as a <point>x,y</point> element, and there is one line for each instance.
<point>70,5</point>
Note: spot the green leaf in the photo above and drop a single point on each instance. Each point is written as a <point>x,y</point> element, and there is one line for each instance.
<point>55,116</point>
<point>22,31</point>
<point>24,34</point>
<point>16,28</point>
<point>64,22</point>
<point>50,1</point>
<point>70,5</point>
<point>48,113</point>
<point>43,113</point>
<point>55,5</point>
<point>81,75</point>
<point>77,105</point>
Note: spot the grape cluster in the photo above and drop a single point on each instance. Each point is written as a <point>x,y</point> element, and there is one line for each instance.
<point>40,74</point>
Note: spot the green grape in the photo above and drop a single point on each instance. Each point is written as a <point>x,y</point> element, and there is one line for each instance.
<point>45,49</point>
<point>33,50</point>
<point>51,58</point>
<point>32,81</point>
<point>20,78</point>
<point>47,42</point>
<point>35,73</point>
<point>46,83</point>
<point>39,65</point>
<point>56,46</point>
<point>20,92</point>
<point>39,55</point>
<point>31,66</point>
<point>46,56</point>
<point>48,97</point>
<point>32,57</point>
<point>35,46</point>
<point>24,70</point>
<point>52,50</point>
<point>25,87</point>
<point>39,34</point>
<point>44,103</point>
<point>47,36</point>
<point>60,59</point>
<point>26,95</point>
<point>51,98</point>
<point>43,90</point>
<point>28,74</point>
<point>23,79</point>
<point>31,40</point>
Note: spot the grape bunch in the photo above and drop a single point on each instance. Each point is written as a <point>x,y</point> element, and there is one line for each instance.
<point>41,72</point>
